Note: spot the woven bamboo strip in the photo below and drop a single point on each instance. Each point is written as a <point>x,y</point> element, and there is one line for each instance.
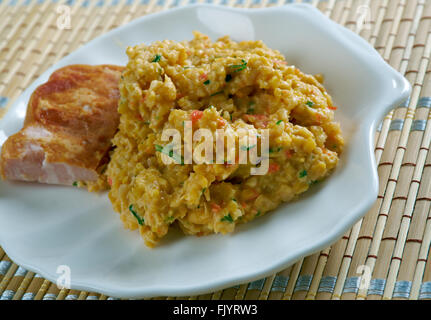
<point>279,284</point>
<point>292,280</point>
<point>346,260</point>
<point>43,288</point>
<point>62,294</point>
<point>14,284</point>
<point>264,293</point>
<point>412,225</point>
<point>19,23</point>
<point>33,288</point>
<point>78,26</point>
<point>370,219</point>
<point>8,276</point>
<point>227,294</point>
<point>423,271</point>
<point>12,83</point>
<point>338,10</point>
<point>423,60</point>
<point>23,285</point>
<point>423,202</point>
<point>51,293</point>
<point>50,54</point>
<point>317,275</point>
<point>11,47</point>
<point>4,267</point>
<point>305,277</point>
<point>10,13</point>
<point>332,268</point>
<point>402,205</point>
<point>120,13</point>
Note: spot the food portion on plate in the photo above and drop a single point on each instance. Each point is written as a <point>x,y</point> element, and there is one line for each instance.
<point>68,128</point>
<point>215,85</point>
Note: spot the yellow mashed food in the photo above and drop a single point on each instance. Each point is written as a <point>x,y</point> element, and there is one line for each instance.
<point>222,84</point>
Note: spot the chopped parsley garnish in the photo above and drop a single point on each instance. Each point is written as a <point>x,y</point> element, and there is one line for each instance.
<point>141,221</point>
<point>187,67</point>
<point>170,219</point>
<point>278,122</point>
<point>203,191</point>
<point>250,111</point>
<point>157,58</point>
<point>228,78</point>
<point>272,150</point>
<point>239,67</point>
<point>303,173</point>
<point>177,158</point>
<point>216,93</point>
<point>227,218</point>
<point>207,82</point>
<point>310,104</point>
<point>233,199</point>
<point>312,183</point>
<point>258,213</point>
<point>245,148</point>
<point>230,115</point>
<point>75,183</point>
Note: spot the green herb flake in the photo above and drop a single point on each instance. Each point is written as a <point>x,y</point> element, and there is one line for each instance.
<point>203,191</point>
<point>239,67</point>
<point>75,183</point>
<point>170,219</point>
<point>245,148</point>
<point>273,150</point>
<point>216,93</point>
<point>279,122</point>
<point>233,199</point>
<point>250,111</point>
<point>258,213</point>
<point>141,221</point>
<point>156,58</point>
<point>310,104</point>
<point>303,173</point>
<point>227,218</point>
<point>177,158</point>
<point>228,78</point>
<point>207,82</point>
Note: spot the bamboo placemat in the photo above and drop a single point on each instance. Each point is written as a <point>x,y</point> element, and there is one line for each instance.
<point>389,246</point>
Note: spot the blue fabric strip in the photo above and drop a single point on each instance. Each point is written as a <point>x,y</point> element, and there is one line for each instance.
<point>402,289</point>
<point>397,125</point>
<point>419,125</point>
<point>377,287</point>
<point>303,283</point>
<point>280,283</point>
<point>327,284</point>
<point>3,101</point>
<point>256,285</point>
<point>425,292</point>
<point>352,285</point>
<point>4,267</point>
<point>7,295</point>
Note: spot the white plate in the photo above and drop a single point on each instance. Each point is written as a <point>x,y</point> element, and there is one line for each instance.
<point>43,227</point>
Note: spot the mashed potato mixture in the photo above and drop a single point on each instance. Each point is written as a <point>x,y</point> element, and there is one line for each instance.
<point>215,85</point>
